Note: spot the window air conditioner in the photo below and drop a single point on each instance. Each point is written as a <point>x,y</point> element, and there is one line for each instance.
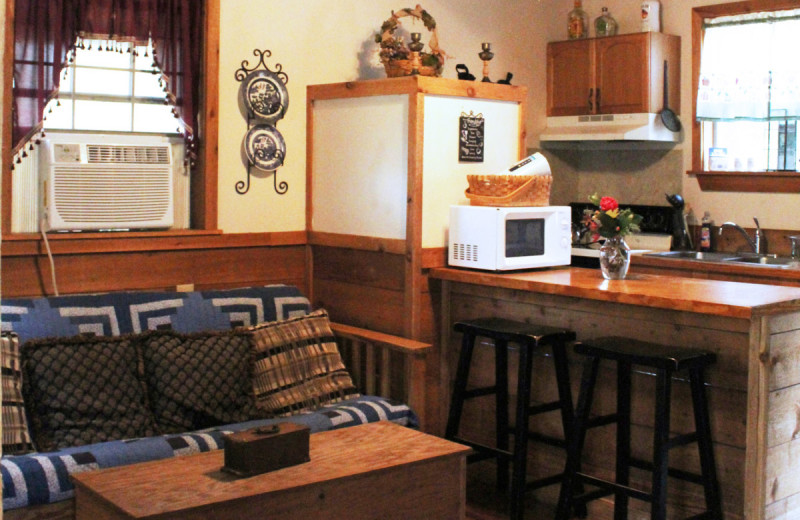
<point>106,185</point>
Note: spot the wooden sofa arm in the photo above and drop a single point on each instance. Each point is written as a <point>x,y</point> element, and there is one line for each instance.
<point>368,356</point>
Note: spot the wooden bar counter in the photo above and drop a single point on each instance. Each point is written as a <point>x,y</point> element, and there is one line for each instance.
<point>754,388</point>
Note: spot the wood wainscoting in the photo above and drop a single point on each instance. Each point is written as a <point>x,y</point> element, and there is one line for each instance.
<point>367,283</point>
<point>100,262</point>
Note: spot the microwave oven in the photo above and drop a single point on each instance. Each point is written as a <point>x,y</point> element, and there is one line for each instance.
<point>507,238</point>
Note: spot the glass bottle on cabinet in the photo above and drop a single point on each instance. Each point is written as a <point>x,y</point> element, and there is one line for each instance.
<point>577,22</point>
<point>605,25</point>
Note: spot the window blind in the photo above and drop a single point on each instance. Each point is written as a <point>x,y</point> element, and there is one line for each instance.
<point>749,69</point>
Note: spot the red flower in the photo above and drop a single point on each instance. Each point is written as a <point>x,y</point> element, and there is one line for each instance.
<point>608,203</point>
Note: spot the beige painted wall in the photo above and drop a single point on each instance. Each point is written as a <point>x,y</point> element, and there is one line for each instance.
<point>320,41</point>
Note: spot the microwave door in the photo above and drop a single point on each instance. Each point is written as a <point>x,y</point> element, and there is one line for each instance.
<point>524,241</point>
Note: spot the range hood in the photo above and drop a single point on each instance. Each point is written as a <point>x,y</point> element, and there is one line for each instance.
<point>609,127</point>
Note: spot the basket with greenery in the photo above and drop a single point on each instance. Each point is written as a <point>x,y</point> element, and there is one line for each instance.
<point>394,52</point>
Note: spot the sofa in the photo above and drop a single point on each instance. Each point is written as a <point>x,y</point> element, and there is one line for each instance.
<point>104,380</point>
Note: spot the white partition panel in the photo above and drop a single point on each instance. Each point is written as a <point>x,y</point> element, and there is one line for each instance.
<point>444,177</point>
<point>360,164</point>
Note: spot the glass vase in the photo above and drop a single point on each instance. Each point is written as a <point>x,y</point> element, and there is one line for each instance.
<point>615,258</point>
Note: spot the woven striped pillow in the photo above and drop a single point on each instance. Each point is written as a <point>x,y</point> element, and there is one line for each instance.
<point>297,366</point>
<point>16,438</point>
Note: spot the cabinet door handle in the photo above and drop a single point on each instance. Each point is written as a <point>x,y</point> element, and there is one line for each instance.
<point>597,99</point>
<point>591,103</point>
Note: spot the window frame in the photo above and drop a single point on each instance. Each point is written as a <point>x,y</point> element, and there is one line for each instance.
<point>738,181</point>
<point>203,191</point>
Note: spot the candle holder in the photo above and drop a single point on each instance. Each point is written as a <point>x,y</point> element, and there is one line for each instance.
<point>486,55</point>
<point>415,47</point>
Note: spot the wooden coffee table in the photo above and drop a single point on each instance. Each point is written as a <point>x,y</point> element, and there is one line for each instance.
<point>376,470</point>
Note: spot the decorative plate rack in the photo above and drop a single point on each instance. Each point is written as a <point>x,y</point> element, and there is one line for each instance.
<point>265,99</point>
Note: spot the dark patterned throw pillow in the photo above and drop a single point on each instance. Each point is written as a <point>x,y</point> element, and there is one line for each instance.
<point>298,366</point>
<point>16,438</point>
<point>82,390</point>
<point>198,380</point>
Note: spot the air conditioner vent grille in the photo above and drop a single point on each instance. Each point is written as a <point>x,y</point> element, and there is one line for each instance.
<point>124,154</point>
<point>94,194</point>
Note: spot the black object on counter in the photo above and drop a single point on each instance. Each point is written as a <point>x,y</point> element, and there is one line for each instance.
<point>681,241</point>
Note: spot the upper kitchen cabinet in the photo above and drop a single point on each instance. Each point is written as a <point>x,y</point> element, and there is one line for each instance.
<point>613,75</point>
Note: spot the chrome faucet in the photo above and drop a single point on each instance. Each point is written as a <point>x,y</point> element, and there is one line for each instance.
<point>758,244</point>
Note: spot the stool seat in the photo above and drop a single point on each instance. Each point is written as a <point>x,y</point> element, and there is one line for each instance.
<point>529,338</point>
<point>655,355</point>
<point>514,331</point>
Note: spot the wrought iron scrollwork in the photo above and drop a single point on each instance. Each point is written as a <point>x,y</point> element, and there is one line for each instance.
<point>245,70</point>
<point>265,101</point>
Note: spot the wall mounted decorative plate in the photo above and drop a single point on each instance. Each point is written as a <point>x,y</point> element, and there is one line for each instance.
<point>265,147</point>
<point>265,95</point>
<point>265,99</point>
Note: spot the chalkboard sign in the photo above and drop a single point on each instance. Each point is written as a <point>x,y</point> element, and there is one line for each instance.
<point>470,138</point>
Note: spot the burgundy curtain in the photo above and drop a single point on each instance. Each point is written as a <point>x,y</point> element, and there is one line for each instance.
<point>45,31</point>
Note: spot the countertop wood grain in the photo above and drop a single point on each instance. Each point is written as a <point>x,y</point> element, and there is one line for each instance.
<point>721,298</point>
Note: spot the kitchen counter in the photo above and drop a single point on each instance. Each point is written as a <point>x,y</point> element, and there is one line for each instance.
<point>753,388</point>
<point>702,296</point>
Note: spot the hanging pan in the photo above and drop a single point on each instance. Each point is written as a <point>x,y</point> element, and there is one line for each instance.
<point>668,117</point>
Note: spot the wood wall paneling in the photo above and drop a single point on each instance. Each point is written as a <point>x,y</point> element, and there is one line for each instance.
<point>209,261</point>
<point>363,288</point>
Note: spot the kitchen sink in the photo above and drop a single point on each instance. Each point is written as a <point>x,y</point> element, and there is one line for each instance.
<point>766,260</point>
<point>697,255</point>
<point>732,258</point>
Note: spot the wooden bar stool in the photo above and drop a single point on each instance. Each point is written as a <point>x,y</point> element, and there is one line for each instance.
<point>665,361</point>
<point>529,338</point>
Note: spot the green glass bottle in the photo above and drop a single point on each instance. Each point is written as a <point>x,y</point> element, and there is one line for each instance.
<point>605,25</point>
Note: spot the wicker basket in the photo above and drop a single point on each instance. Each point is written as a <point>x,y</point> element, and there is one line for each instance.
<point>400,68</point>
<point>509,190</point>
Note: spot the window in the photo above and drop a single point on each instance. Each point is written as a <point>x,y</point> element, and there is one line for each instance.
<point>37,37</point>
<point>111,86</point>
<point>747,99</point>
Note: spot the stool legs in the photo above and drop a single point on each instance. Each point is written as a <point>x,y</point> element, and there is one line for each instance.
<point>623,466</point>
<point>577,438</point>
<point>520,454</point>
<point>460,387</point>
<point>658,507</point>
<point>561,368</point>
<point>703,427</point>
<point>501,410</point>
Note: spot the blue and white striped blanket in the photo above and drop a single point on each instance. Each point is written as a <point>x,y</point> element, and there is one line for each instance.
<point>43,478</point>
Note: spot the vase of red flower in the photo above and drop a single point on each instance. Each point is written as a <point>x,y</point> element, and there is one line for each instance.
<point>612,223</point>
